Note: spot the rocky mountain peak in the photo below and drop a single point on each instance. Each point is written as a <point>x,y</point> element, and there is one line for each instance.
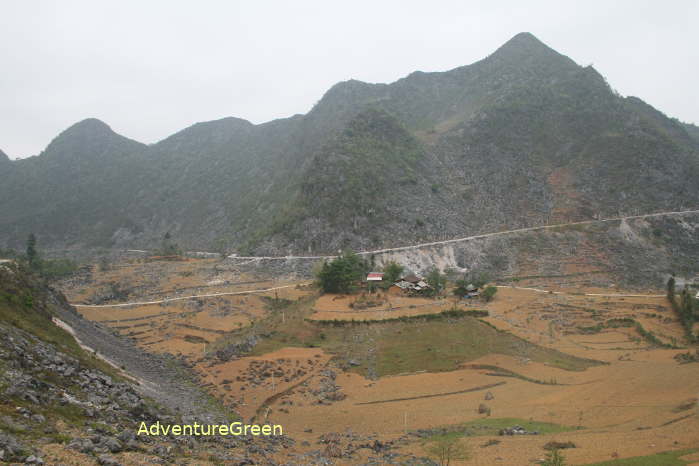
<point>89,138</point>
<point>526,48</point>
<point>92,126</point>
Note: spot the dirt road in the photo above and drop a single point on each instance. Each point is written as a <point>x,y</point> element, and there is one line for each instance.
<point>180,298</point>
<point>470,238</point>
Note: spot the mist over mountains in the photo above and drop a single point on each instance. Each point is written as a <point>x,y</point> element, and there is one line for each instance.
<point>521,138</point>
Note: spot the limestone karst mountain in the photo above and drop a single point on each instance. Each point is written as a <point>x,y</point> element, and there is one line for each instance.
<point>523,137</point>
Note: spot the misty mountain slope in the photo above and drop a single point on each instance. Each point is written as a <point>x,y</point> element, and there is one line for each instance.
<point>206,178</point>
<point>367,175</point>
<point>523,137</point>
<point>72,189</point>
<point>692,131</point>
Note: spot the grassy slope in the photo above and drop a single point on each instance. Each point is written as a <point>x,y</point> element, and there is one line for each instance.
<point>667,458</point>
<point>25,304</point>
<point>430,345</point>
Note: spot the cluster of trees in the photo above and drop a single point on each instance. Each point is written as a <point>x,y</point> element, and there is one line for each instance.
<point>50,269</point>
<point>478,280</point>
<point>345,273</point>
<point>392,272</point>
<point>437,282</point>
<point>686,307</point>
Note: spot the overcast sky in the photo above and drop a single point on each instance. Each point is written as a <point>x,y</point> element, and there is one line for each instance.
<point>151,68</point>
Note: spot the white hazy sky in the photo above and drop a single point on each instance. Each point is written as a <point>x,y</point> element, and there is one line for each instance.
<point>150,68</point>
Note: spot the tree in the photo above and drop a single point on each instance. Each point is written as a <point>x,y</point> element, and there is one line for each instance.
<point>342,273</point>
<point>461,287</point>
<point>436,280</point>
<point>489,293</point>
<point>104,264</point>
<point>554,458</point>
<point>446,449</point>
<point>32,255</point>
<point>671,288</point>
<point>168,248</point>
<point>392,272</point>
<point>477,279</point>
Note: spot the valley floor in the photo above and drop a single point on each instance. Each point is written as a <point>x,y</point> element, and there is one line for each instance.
<point>595,367</point>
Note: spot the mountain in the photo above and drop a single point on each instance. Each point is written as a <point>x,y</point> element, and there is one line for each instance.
<point>523,137</point>
<point>72,190</point>
<point>692,131</point>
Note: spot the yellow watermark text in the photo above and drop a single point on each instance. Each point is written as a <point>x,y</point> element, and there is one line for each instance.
<point>234,428</point>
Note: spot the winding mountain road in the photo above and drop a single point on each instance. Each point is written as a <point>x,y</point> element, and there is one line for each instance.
<point>470,238</point>
<point>604,295</point>
<point>403,248</point>
<point>180,298</point>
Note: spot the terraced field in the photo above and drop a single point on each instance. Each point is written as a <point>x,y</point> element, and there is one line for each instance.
<point>594,367</point>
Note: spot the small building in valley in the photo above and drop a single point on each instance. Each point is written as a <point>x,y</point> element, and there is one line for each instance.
<point>374,277</point>
<point>410,284</point>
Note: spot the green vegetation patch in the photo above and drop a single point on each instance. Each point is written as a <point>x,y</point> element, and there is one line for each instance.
<point>502,372</point>
<point>444,345</point>
<point>25,305</point>
<point>489,427</point>
<point>666,458</point>
<point>449,313</point>
<point>432,342</point>
<point>611,323</point>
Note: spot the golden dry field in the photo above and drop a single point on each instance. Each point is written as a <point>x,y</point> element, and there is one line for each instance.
<point>595,367</point>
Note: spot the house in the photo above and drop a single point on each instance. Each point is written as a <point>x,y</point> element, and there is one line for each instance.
<point>411,284</point>
<point>403,285</point>
<point>421,285</point>
<point>471,291</point>
<point>697,296</point>
<point>374,277</point>
<point>414,279</point>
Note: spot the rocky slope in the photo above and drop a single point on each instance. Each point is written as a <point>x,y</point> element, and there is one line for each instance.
<point>59,404</point>
<point>523,137</point>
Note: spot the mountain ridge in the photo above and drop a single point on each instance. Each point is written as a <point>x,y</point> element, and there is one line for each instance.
<point>520,138</point>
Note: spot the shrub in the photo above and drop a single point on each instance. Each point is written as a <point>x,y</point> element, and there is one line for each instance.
<point>489,293</point>
<point>436,280</point>
<point>447,449</point>
<point>554,445</point>
<point>554,458</point>
<point>392,272</point>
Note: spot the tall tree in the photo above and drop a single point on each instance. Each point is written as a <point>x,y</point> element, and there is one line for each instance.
<point>392,272</point>
<point>342,273</point>
<point>32,255</point>
<point>671,288</point>
<point>436,280</point>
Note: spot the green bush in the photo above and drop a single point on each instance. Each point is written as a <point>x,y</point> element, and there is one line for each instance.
<point>392,272</point>
<point>342,274</point>
<point>489,293</point>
